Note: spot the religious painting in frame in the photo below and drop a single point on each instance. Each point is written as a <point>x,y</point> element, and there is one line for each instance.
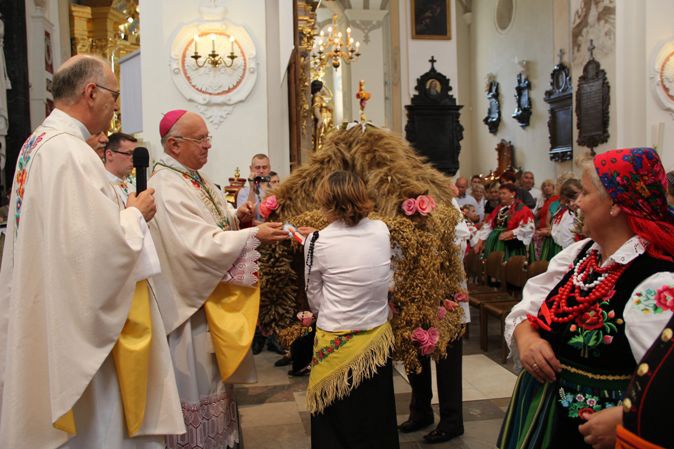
<point>431,19</point>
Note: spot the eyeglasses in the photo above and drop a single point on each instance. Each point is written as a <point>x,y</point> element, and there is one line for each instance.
<point>115,93</point>
<point>201,141</point>
<point>125,153</point>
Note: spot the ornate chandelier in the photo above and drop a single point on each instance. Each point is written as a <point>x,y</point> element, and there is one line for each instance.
<point>335,47</point>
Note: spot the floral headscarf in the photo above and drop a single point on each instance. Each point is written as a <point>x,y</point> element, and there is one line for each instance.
<point>635,180</point>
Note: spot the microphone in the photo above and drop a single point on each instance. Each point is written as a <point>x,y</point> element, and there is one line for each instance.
<point>141,161</point>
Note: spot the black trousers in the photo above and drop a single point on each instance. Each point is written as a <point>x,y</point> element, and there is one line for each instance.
<point>365,419</point>
<point>302,350</point>
<point>449,390</point>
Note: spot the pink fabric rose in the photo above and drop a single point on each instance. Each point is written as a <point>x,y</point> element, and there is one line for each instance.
<point>441,312</point>
<point>426,349</point>
<point>460,297</point>
<point>305,317</point>
<point>424,205</point>
<point>409,206</point>
<point>420,335</point>
<point>664,297</point>
<point>268,205</point>
<point>608,339</point>
<point>433,335</point>
<point>450,305</point>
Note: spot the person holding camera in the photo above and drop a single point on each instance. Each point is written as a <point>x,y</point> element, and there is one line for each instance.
<point>258,183</point>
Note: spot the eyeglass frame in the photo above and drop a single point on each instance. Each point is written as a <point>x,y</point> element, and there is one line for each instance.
<point>206,139</point>
<point>125,153</point>
<point>115,93</point>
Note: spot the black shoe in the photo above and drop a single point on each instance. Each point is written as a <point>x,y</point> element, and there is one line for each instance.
<point>299,373</point>
<point>439,436</point>
<point>283,361</point>
<point>258,345</point>
<point>412,425</point>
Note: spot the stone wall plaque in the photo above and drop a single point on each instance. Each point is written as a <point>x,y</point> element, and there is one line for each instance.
<point>560,119</point>
<point>592,104</point>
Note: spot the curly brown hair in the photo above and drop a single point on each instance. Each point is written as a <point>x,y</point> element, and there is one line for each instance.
<point>343,196</point>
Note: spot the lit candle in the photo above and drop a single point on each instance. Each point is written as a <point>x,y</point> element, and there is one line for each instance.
<point>213,41</point>
<point>231,44</point>
<point>196,41</point>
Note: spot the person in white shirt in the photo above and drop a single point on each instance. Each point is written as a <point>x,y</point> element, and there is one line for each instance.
<point>348,277</point>
<point>118,161</point>
<point>478,193</point>
<point>463,198</point>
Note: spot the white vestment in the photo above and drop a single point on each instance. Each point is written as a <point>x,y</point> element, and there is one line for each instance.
<point>70,266</point>
<point>121,187</point>
<point>199,246</point>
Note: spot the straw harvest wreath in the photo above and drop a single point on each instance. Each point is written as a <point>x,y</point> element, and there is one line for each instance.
<point>414,201</point>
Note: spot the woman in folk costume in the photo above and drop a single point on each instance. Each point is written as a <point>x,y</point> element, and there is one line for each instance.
<point>582,326</point>
<point>564,222</point>
<point>509,227</point>
<point>543,246</point>
<point>348,276</point>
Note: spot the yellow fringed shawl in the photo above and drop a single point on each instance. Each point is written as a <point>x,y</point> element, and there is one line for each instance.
<point>344,359</point>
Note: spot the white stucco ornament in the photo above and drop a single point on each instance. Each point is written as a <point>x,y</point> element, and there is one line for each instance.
<point>215,89</point>
<point>662,76</point>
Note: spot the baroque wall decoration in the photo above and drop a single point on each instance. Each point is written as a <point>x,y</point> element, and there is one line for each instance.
<point>592,104</point>
<point>215,86</point>
<point>593,20</point>
<point>662,76</point>
<point>493,118</point>
<point>522,111</point>
<point>560,122</point>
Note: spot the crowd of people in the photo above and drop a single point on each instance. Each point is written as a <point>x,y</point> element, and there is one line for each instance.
<point>128,316</point>
<point>511,215</point>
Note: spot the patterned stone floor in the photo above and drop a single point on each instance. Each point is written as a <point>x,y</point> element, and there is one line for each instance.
<point>273,414</point>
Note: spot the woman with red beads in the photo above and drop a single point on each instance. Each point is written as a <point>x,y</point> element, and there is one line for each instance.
<point>582,326</point>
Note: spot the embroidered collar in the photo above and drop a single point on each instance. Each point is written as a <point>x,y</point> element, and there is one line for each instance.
<point>218,211</point>
<point>630,250</point>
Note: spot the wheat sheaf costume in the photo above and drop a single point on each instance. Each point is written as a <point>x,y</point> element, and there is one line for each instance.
<point>427,266</point>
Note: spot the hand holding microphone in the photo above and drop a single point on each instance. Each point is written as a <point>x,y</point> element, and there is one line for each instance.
<point>143,199</point>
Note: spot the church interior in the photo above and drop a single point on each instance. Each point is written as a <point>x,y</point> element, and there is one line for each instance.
<point>478,87</point>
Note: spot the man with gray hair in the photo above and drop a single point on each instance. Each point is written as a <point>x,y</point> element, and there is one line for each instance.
<point>84,361</point>
<point>208,291</point>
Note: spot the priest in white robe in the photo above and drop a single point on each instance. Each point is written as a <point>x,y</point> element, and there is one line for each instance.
<point>207,292</point>
<point>118,161</point>
<point>83,358</point>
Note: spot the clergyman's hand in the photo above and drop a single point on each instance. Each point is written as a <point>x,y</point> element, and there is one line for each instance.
<point>271,232</point>
<point>246,212</point>
<point>144,202</point>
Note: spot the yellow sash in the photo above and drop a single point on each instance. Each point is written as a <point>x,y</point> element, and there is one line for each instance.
<point>131,355</point>
<point>344,359</point>
<point>231,312</point>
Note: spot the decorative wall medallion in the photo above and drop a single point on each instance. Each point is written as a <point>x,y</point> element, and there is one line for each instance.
<point>662,76</point>
<point>214,86</point>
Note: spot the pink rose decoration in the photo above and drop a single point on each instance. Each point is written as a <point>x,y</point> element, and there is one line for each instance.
<point>424,205</point>
<point>305,317</point>
<point>427,349</point>
<point>420,335</point>
<point>409,206</point>
<point>442,312</point>
<point>268,205</point>
<point>461,297</point>
<point>450,305</point>
<point>433,335</point>
<point>664,297</point>
<point>608,339</point>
